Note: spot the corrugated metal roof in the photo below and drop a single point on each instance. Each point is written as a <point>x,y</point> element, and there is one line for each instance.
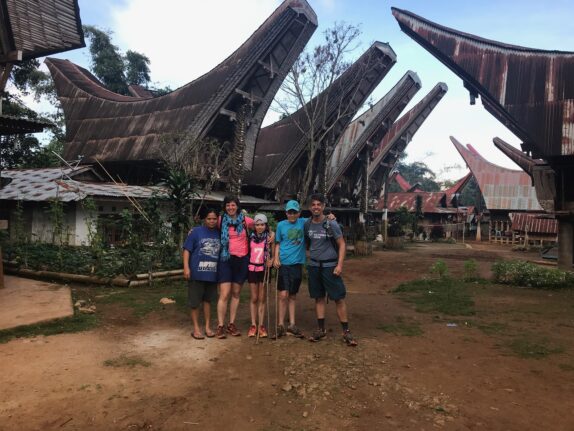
<point>501,188</point>
<point>283,144</point>
<point>370,126</point>
<point>432,202</point>
<point>40,185</point>
<point>533,223</point>
<point>110,127</point>
<point>385,155</point>
<point>529,90</point>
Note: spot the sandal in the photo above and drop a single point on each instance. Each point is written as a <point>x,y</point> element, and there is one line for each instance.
<point>197,337</point>
<point>349,339</point>
<point>209,334</point>
<point>232,330</point>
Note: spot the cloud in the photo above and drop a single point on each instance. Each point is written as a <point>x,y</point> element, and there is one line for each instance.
<point>185,39</point>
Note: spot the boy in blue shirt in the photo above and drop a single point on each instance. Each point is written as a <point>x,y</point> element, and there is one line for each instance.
<point>200,257</point>
<point>289,259</point>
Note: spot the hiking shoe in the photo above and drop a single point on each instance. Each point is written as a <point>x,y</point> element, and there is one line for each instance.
<point>349,339</point>
<point>220,332</point>
<point>252,331</point>
<point>294,331</point>
<point>232,330</point>
<point>280,331</point>
<point>317,335</point>
<point>262,332</point>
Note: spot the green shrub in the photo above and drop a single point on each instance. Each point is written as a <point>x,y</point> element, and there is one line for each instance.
<point>440,268</point>
<point>521,273</point>
<point>470,270</point>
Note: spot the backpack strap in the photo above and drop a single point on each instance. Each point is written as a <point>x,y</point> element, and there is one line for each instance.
<point>306,227</point>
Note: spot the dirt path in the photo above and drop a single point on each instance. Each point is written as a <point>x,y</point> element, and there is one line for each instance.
<point>462,377</point>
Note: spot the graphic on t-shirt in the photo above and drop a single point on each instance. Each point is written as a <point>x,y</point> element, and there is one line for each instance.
<point>207,266</point>
<point>295,235</point>
<point>210,247</point>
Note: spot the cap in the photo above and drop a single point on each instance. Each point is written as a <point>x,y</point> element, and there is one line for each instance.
<point>260,218</point>
<point>292,205</point>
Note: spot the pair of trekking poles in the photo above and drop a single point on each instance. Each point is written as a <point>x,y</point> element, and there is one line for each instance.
<point>267,283</point>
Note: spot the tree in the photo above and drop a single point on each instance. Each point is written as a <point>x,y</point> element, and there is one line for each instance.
<point>106,62</point>
<point>116,71</point>
<point>315,72</point>
<point>417,173</point>
<point>137,68</point>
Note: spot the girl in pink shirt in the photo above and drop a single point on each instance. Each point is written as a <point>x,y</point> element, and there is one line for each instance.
<point>259,258</point>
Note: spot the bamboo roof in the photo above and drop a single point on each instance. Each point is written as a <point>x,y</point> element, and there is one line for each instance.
<point>105,126</point>
<point>39,28</point>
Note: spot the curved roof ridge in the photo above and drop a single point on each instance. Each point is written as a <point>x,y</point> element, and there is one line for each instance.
<point>473,153</point>
<point>473,38</point>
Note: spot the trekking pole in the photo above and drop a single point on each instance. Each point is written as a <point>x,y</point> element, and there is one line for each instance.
<point>276,299</point>
<point>265,278</point>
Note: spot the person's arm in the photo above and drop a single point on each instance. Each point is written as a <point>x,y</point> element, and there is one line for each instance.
<point>342,251</point>
<point>276,260</point>
<point>186,270</point>
<point>271,238</point>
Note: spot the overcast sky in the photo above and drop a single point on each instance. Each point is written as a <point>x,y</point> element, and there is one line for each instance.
<point>186,38</point>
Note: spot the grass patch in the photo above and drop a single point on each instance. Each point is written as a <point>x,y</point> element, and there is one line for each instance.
<point>126,361</point>
<point>444,295</point>
<point>144,300</point>
<point>402,329</point>
<point>493,328</point>
<point>529,348</point>
<point>77,323</point>
<point>566,367</point>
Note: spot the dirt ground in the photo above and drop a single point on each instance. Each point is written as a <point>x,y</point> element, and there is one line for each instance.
<point>455,373</point>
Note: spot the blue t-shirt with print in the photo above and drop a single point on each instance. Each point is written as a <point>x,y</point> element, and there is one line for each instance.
<point>203,245</point>
<point>291,239</point>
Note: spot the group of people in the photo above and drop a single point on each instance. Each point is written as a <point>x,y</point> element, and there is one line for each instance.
<point>233,248</point>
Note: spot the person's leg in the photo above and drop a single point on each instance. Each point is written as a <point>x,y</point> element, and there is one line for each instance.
<point>234,305</point>
<point>195,319</point>
<point>224,293</point>
<point>261,303</point>
<point>207,315</point>
<point>320,308</point>
<point>253,303</point>
<point>283,300</point>
<point>292,304</point>
<point>342,311</point>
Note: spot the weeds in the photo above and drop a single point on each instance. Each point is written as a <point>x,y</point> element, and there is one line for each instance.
<point>76,323</point>
<point>445,296</point>
<point>470,270</point>
<point>402,329</point>
<point>530,348</point>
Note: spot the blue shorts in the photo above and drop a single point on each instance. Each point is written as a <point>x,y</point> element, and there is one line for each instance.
<point>323,282</point>
<point>234,270</point>
<point>290,277</point>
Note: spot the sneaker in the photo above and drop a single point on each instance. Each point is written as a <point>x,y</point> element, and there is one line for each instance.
<point>280,331</point>
<point>349,339</point>
<point>262,332</point>
<point>317,334</point>
<point>294,331</point>
<point>220,332</point>
<point>252,331</point>
<point>232,330</point>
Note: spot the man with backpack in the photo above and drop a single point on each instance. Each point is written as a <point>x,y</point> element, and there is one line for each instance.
<point>327,253</point>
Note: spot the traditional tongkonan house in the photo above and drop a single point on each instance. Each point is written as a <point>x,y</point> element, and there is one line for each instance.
<point>531,91</point>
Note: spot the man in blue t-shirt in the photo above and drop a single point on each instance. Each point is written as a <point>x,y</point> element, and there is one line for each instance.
<point>200,257</point>
<point>289,259</point>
